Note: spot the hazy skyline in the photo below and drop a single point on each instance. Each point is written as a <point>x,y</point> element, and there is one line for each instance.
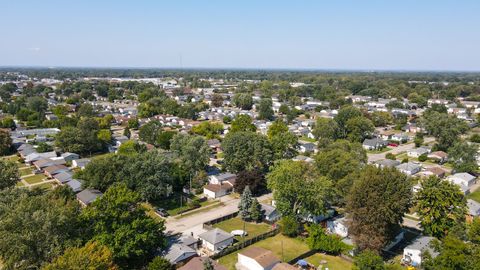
<point>349,35</point>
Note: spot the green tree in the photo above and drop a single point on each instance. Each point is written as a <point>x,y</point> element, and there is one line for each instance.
<point>440,205</point>
<point>368,260</point>
<point>473,232</point>
<point>254,179</point>
<point>344,114</point>
<point>445,128</point>
<point>127,133</point>
<point>207,264</point>
<point>359,128</point>
<point>36,226</point>
<point>131,147</point>
<point>418,139</point>
<point>256,211</point>
<point>289,226</point>
<point>92,256</point>
<point>9,175</point>
<point>5,142</point>
<point>246,151</point>
<point>242,122</point>
<point>133,123</point>
<point>376,205</point>
<point>381,119</point>
<point>453,254</point>
<point>463,156</point>
<point>265,110</point>
<point>283,142</point>
<point>244,206</point>
<point>208,129</point>
<point>120,222</point>
<point>192,150</point>
<point>325,131</point>
<point>298,189</point>
<point>217,100</point>
<point>318,240</point>
<point>160,263</point>
<point>44,147</point>
<point>105,136</point>
<point>243,101</point>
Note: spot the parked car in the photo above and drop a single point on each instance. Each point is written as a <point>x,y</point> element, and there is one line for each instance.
<point>161,212</point>
<point>392,144</point>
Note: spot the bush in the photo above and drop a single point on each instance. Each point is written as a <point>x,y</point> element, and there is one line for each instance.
<point>390,156</point>
<point>475,138</point>
<point>405,160</point>
<point>318,240</point>
<point>422,158</point>
<point>289,226</point>
<point>195,203</point>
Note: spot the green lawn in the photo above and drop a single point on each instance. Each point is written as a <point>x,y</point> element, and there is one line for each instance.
<point>292,248</point>
<point>333,262</point>
<point>200,210</point>
<point>383,150</point>
<point>25,171</point>
<point>34,179</point>
<point>44,186</point>
<point>253,229</point>
<point>307,139</point>
<point>474,195</point>
<point>19,184</point>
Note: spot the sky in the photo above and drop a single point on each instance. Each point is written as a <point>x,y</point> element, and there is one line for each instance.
<point>441,35</point>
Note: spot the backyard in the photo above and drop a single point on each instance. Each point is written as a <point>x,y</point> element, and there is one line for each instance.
<point>253,229</point>
<point>475,195</point>
<point>283,247</point>
<point>332,262</point>
<point>34,179</point>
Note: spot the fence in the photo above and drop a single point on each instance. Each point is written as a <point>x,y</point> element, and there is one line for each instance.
<point>246,243</point>
<point>312,252</point>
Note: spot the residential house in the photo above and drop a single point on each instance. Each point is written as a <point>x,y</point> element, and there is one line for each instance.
<point>67,156</point>
<point>412,254</point>
<point>307,147</point>
<point>374,144</point>
<point>217,190</point>
<point>462,179</point>
<point>197,263</point>
<point>36,156</point>
<point>438,156</point>
<point>75,185</point>
<point>215,145</point>
<point>46,162</point>
<point>338,226</point>
<point>216,240</point>
<point>473,209</point>
<point>87,196</point>
<point>387,163</point>
<point>409,168</point>
<point>63,177</point>
<point>256,258</point>
<point>270,213</point>
<point>51,171</point>
<point>417,152</point>
<point>435,171</point>
<point>222,178</point>
<point>177,253</point>
<point>80,163</point>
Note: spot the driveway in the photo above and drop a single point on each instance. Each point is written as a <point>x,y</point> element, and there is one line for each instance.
<point>396,150</point>
<point>193,223</point>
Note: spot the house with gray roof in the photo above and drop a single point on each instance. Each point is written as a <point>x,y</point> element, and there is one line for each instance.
<point>216,240</point>
<point>409,168</point>
<point>63,177</point>
<point>88,196</point>
<point>387,163</point>
<point>80,163</point>
<point>374,144</point>
<point>270,213</point>
<point>178,253</point>
<point>412,254</point>
<point>473,208</point>
<point>75,185</point>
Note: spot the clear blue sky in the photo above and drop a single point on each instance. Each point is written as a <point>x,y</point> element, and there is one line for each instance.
<point>329,34</point>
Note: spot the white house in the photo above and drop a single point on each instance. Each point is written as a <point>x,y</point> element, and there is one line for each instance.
<point>374,144</point>
<point>256,258</point>
<point>270,213</point>
<point>462,179</point>
<point>338,226</point>
<point>417,152</point>
<point>221,178</point>
<point>412,254</point>
<point>217,190</point>
<point>409,168</point>
<point>216,240</point>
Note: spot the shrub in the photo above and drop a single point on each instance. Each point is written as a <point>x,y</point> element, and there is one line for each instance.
<point>318,240</point>
<point>405,160</point>
<point>475,138</point>
<point>422,158</point>
<point>390,156</point>
<point>289,226</point>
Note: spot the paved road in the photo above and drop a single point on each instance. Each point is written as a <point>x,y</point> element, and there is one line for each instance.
<point>396,150</point>
<point>193,223</point>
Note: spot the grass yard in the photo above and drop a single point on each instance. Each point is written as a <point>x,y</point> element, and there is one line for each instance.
<point>253,229</point>
<point>333,262</point>
<point>44,186</point>
<point>19,184</point>
<point>150,212</point>
<point>292,248</point>
<point>200,210</point>
<point>25,171</point>
<point>307,139</point>
<point>474,195</point>
<point>34,179</point>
